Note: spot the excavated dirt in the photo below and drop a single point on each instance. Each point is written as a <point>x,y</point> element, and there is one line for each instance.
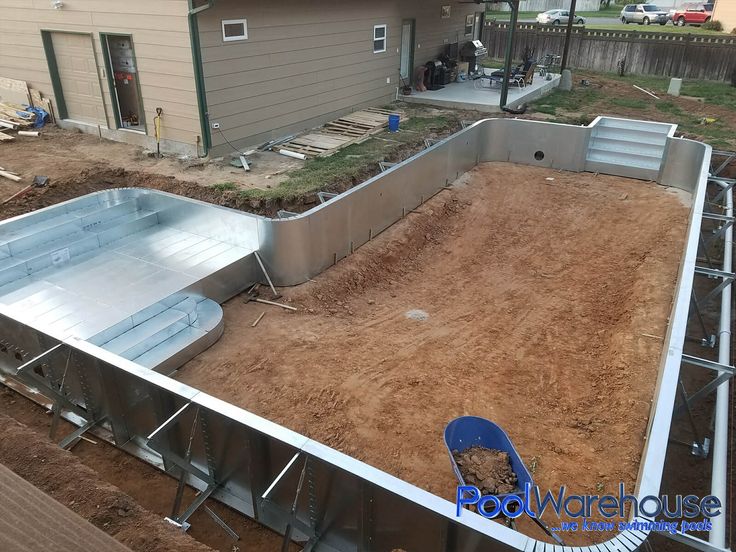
<point>105,466</point>
<point>61,475</point>
<point>545,301</point>
<point>488,469</point>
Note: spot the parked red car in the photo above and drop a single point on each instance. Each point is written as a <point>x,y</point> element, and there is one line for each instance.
<point>695,15</point>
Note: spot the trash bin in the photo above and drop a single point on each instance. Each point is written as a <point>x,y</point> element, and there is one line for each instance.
<point>393,122</point>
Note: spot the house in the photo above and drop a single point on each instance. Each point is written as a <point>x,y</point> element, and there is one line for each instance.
<point>544,5</point>
<point>725,12</point>
<point>237,71</point>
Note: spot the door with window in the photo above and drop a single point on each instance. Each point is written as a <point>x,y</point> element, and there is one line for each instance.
<point>407,49</point>
<point>122,76</point>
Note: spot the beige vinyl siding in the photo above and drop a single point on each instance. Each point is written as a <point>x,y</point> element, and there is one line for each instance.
<point>432,33</point>
<point>305,63</point>
<point>160,32</point>
<point>725,12</point>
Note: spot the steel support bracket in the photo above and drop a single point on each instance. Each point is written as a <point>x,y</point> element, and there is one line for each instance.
<point>727,277</point>
<point>324,197</point>
<point>283,214</point>
<point>720,230</point>
<point>74,437</point>
<point>168,423</point>
<point>38,360</point>
<point>196,503</point>
<point>729,155</point>
<point>709,364</point>
<point>726,185</point>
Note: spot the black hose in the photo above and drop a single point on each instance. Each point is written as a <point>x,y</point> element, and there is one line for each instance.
<point>519,111</point>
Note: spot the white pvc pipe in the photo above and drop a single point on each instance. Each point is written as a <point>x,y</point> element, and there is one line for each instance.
<point>717,536</point>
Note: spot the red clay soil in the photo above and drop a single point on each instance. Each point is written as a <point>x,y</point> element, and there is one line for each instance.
<point>30,520</point>
<point>488,469</point>
<point>153,490</point>
<point>61,475</point>
<point>545,300</point>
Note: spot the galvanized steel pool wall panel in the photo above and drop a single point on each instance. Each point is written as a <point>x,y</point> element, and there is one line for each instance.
<point>299,247</point>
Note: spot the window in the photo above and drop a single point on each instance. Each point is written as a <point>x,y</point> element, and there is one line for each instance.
<point>469,24</point>
<point>379,38</point>
<point>234,29</point>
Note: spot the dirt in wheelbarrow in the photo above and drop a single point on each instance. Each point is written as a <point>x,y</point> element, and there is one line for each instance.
<point>488,469</point>
<point>535,298</point>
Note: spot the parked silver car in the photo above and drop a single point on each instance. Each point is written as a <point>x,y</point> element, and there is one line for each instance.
<point>643,14</point>
<point>558,17</point>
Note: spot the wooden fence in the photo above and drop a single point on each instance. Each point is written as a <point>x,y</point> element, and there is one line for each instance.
<point>654,53</point>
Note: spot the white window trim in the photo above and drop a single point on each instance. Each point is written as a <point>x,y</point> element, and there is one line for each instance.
<point>244,36</point>
<point>384,38</point>
<point>472,25</point>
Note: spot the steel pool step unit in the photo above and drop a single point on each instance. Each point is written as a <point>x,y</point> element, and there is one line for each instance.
<point>166,334</point>
<point>627,148</point>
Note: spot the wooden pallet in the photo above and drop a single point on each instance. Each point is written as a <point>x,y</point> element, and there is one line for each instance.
<point>349,129</point>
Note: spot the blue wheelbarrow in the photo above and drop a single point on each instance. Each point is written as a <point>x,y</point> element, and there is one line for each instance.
<point>469,431</point>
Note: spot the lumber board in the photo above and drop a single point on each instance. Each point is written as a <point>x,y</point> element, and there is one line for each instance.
<point>36,98</point>
<point>49,108</point>
<point>14,91</point>
<point>5,137</point>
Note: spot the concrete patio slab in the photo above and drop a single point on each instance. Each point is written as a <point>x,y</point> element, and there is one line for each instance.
<point>471,95</point>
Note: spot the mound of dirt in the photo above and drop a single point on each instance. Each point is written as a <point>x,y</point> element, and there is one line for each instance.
<point>62,475</point>
<point>488,469</point>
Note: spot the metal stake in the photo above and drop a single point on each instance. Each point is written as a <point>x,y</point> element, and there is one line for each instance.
<point>268,278</point>
<point>183,477</point>
<point>292,513</point>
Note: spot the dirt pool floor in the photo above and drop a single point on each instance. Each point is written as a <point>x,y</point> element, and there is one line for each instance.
<point>546,296</point>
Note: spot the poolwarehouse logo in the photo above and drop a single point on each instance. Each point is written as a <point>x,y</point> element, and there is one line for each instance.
<point>580,508</point>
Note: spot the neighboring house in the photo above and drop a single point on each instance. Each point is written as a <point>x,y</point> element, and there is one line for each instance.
<point>725,12</point>
<point>244,71</point>
<point>544,5</point>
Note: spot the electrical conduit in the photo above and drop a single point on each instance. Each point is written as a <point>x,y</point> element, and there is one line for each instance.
<point>717,536</point>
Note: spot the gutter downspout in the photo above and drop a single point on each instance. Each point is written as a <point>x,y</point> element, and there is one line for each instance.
<point>719,478</point>
<point>199,73</point>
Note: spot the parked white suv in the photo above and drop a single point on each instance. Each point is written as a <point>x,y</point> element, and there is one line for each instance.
<point>643,14</point>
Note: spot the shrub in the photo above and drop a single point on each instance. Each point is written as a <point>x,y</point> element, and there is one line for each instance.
<point>713,25</point>
<point>733,31</point>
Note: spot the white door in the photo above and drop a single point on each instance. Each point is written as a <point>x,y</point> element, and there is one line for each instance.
<point>406,48</point>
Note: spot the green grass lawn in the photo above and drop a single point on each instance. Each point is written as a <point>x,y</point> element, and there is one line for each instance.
<point>583,104</point>
<point>651,29</point>
<point>351,163</point>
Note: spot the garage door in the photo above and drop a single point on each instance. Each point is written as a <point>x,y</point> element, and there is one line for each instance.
<point>80,84</point>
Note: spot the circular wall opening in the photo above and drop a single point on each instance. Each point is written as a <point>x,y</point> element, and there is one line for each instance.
<point>538,155</point>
